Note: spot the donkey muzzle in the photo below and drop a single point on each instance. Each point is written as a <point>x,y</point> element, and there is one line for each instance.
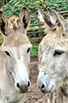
<point>22,87</point>
<point>45,83</point>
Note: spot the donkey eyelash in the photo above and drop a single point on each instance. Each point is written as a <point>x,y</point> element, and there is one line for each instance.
<point>7,53</point>
<point>58,52</point>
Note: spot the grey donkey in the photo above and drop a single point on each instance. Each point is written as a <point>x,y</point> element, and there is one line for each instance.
<point>53,56</point>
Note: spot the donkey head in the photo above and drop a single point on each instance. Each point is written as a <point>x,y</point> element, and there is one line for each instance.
<point>16,48</point>
<point>53,52</point>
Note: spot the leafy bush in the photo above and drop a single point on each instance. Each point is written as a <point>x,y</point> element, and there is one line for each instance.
<point>58,5</point>
<point>14,7</point>
<point>34,51</point>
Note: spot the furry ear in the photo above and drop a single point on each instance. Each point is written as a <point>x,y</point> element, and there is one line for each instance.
<point>52,19</point>
<point>3,23</point>
<point>24,18</point>
<point>55,18</point>
<point>44,17</point>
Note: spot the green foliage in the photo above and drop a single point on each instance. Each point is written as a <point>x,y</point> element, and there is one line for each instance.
<point>34,51</point>
<point>41,3</point>
<point>14,7</point>
<point>59,5</point>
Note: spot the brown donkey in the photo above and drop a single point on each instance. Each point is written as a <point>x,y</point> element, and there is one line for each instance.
<point>14,57</point>
<point>53,56</point>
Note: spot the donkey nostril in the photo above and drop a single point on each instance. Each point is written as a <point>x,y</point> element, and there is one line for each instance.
<point>42,86</point>
<point>28,84</point>
<point>18,85</point>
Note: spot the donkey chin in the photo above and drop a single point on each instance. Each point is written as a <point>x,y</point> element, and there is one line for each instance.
<point>45,83</point>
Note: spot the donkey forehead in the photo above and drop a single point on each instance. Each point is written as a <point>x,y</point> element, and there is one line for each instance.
<point>19,49</point>
<point>53,42</point>
<point>16,41</point>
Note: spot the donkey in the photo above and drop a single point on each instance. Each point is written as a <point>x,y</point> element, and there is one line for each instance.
<point>14,57</point>
<point>53,56</point>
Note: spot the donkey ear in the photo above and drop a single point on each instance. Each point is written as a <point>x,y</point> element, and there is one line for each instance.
<point>45,18</point>
<point>25,17</point>
<point>55,18</point>
<point>3,23</point>
<point>52,19</point>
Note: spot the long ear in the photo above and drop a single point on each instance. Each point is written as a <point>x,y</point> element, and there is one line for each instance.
<point>55,18</point>
<point>3,23</point>
<point>52,19</point>
<point>24,18</point>
<point>45,18</point>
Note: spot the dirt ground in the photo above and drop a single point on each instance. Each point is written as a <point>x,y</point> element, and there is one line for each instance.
<point>34,95</point>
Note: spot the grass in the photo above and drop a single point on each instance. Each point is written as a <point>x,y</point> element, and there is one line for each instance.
<point>34,51</point>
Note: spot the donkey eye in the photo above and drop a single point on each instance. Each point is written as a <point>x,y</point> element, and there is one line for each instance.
<point>58,52</point>
<point>7,53</point>
<point>28,50</point>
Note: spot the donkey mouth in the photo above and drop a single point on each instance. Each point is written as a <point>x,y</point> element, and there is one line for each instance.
<point>47,91</point>
<point>23,91</point>
<point>20,90</point>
